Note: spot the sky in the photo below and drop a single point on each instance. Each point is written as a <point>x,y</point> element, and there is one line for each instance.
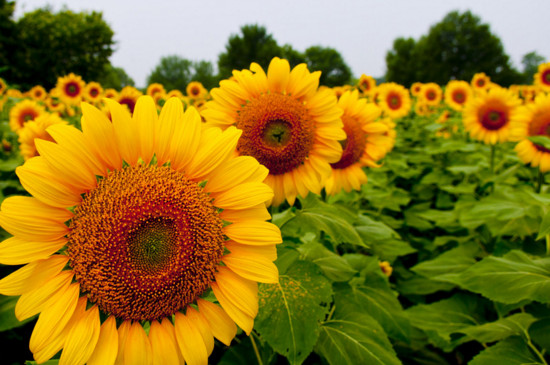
<point>362,31</point>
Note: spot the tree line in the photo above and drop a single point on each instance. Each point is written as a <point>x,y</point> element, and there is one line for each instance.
<point>42,45</point>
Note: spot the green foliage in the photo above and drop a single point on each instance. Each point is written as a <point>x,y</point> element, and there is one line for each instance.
<point>531,62</point>
<point>50,45</point>
<point>334,70</point>
<point>8,31</point>
<point>455,48</point>
<point>175,72</point>
<point>115,78</point>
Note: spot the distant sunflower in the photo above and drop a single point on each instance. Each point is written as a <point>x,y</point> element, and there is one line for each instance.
<point>14,93</point>
<point>3,86</point>
<point>38,93</point>
<point>366,84</point>
<point>156,91</point>
<point>487,116</point>
<point>110,93</point>
<point>394,100</point>
<point>457,93</point>
<point>71,89</point>
<point>93,92</point>
<point>416,88</point>
<point>288,125</point>
<point>174,94</point>
<point>24,111</point>
<point>195,90</point>
<point>431,94</point>
<point>542,77</point>
<point>365,143</point>
<point>534,121</point>
<point>480,82</point>
<point>143,240</point>
<point>128,96</point>
<point>36,129</point>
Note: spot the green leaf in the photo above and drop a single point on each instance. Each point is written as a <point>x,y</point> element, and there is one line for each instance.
<point>243,353</point>
<point>420,285</point>
<point>291,311</point>
<point>508,279</point>
<point>516,324</point>
<point>7,313</point>
<point>355,338</point>
<point>544,226</point>
<point>335,267</point>
<point>543,141</point>
<point>540,333</point>
<point>49,362</point>
<point>512,351</point>
<point>380,303</point>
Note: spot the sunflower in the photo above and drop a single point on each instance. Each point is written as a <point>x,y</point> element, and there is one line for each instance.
<point>487,117</point>
<point>93,92</point>
<point>128,96</point>
<point>366,84</point>
<point>38,93</point>
<point>534,121</point>
<point>394,100</point>
<point>3,86</point>
<point>156,91</point>
<point>431,94</point>
<point>288,125</point>
<point>195,90</point>
<point>365,143</point>
<point>143,240</point>
<point>110,93</point>
<point>457,93</point>
<point>174,94</point>
<point>542,77</point>
<point>36,129</point>
<point>24,111</point>
<point>14,93</point>
<point>480,82</point>
<point>415,89</point>
<point>390,134</point>
<point>71,89</point>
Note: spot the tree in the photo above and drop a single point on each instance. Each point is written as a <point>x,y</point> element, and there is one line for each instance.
<point>54,44</point>
<point>402,63</point>
<point>531,62</point>
<point>115,77</point>
<point>456,48</point>
<point>334,70</point>
<point>8,43</point>
<point>175,72</point>
<point>254,45</point>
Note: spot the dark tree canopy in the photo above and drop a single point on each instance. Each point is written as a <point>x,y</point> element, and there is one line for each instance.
<point>8,43</point>
<point>115,77</point>
<point>54,44</point>
<point>531,62</point>
<point>401,62</point>
<point>175,72</point>
<point>334,70</point>
<point>455,48</point>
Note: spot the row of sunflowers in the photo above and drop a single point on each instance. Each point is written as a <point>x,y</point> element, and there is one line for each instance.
<point>153,222</point>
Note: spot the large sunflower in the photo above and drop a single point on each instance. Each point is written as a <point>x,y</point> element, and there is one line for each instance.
<point>288,125</point>
<point>24,111</point>
<point>71,89</point>
<point>534,121</point>
<point>487,116</point>
<point>457,93</point>
<point>542,77</point>
<point>365,143</point>
<point>145,222</point>
<point>394,100</point>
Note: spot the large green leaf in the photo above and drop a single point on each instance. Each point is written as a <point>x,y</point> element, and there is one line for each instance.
<point>334,266</point>
<point>508,279</point>
<point>355,338</point>
<point>512,351</point>
<point>291,311</point>
<point>514,325</point>
<point>540,333</point>
<point>7,313</point>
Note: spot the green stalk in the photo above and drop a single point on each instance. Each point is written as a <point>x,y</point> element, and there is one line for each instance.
<point>540,182</point>
<point>256,349</point>
<point>493,148</point>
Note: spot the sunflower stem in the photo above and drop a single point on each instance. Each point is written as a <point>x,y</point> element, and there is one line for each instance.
<point>493,148</point>
<point>548,244</point>
<point>540,182</point>
<point>256,349</point>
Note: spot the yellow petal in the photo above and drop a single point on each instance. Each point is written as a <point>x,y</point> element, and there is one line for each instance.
<point>259,212</point>
<point>15,251</point>
<point>163,348</point>
<point>204,328</point>
<point>242,319</point>
<point>40,181</point>
<point>30,219</point>
<point>186,139</point>
<point>223,327</point>
<point>126,133</point>
<point>122,337</point>
<point>55,316</point>
<point>243,293</point>
<point>190,341</point>
<point>253,267</point>
<point>82,339</point>
<point>268,251</point>
<point>246,195</point>
<point>32,302</point>
<point>137,348</point>
<point>32,275</point>
<point>234,172</point>
<point>254,233</point>
<point>170,116</point>
<point>169,327</point>
<point>106,349</point>
<point>145,119</point>
<point>278,74</point>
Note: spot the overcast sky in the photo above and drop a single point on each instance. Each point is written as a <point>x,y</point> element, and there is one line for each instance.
<point>361,30</point>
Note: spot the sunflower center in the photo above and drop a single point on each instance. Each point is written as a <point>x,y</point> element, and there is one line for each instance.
<point>94,93</point>
<point>72,89</point>
<point>430,95</point>
<point>546,77</point>
<point>494,119</point>
<point>28,115</point>
<point>394,101</point>
<point>129,102</point>
<point>354,145</point>
<point>480,82</point>
<point>145,242</point>
<point>459,97</point>
<point>277,131</point>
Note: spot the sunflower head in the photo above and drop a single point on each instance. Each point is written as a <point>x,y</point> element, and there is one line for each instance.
<point>24,111</point>
<point>457,94</point>
<point>71,89</point>
<point>366,84</point>
<point>289,125</point>
<point>38,93</point>
<point>394,100</point>
<point>480,82</point>
<point>430,94</point>
<point>93,92</point>
<point>542,77</point>
<point>195,90</point>
<point>128,96</point>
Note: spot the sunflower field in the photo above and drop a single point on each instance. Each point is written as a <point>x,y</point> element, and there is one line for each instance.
<point>271,220</point>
